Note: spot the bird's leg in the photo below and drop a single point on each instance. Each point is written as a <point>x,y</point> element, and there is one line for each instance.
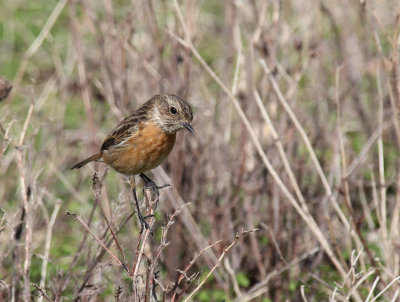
<point>149,184</point>
<point>142,219</point>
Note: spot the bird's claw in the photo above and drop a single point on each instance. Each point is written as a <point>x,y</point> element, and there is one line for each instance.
<point>144,224</point>
<point>156,189</point>
<point>151,185</point>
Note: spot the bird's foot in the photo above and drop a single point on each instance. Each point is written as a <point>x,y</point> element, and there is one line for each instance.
<point>143,223</point>
<point>142,219</point>
<point>151,185</point>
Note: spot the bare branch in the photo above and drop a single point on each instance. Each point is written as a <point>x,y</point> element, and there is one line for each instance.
<point>226,250</point>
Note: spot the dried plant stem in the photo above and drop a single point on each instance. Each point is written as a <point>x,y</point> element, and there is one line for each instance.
<point>395,296</point>
<point>344,180</point>
<point>187,268</point>
<point>371,292</point>
<point>42,293</point>
<point>97,259</point>
<point>233,277</point>
<point>66,183</point>
<point>82,74</point>
<point>309,147</point>
<point>160,249</point>
<point>226,250</point>
<point>382,185</point>
<point>38,42</point>
<point>78,217</point>
<point>140,251</point>
<point>6,139</point>
<point>145,235</point>
<point>281,151</point>
<point>261,287</point>
<point>396,280</point>
<point>28,227</point>
<point>341,141</point>
<point>177,201</point>
<point>307,154</point>
<point>392,81</point>
<point>394,226</point>
<point>360,281</point>
<point>362,155</point>
<point>50,225</point>
<point>261,152</point>
<point>97,185</point>
<point>27,208</point>
<point>75,258</point>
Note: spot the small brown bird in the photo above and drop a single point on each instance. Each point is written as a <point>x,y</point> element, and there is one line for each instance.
<point>144,139</point>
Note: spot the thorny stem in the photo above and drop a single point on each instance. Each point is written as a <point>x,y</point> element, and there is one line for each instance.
<point>226,250</point>
<point>77,217</point>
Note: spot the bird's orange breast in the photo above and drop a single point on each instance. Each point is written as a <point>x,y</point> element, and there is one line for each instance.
<point>142,151</point>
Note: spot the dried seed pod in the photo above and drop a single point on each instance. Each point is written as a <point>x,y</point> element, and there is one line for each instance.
<point>5,88</point>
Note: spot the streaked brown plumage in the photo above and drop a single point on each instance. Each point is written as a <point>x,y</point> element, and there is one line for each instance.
<point>144,139</point>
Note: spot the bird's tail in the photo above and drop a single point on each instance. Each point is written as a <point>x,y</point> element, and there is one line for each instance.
<point>97,156</point>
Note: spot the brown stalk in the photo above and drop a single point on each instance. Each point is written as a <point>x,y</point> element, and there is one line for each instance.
<point>226,250</point>
<point>104,246</point>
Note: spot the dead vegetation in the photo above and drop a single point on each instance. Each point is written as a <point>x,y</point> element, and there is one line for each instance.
<point>289,191</point>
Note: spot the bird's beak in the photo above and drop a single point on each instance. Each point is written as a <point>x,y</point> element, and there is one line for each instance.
<point>188,127</point>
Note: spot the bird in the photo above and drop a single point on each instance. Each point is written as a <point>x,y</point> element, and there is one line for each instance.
<point>143,140</point>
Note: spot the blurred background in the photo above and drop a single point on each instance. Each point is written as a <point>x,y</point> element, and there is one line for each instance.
<point>296,112</point>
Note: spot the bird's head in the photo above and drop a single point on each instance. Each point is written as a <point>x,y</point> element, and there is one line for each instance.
<point>171,113</point>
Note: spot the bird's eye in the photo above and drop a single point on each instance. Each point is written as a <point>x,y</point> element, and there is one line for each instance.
<point>173,110</point>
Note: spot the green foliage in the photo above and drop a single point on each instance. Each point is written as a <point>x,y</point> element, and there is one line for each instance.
<point>211,295</point>
<point>36,269</point>
<point>74,114</point>
<point>242,279</point>
<point>292,286</point>
<point>264,240</point>
<point>357,140</point>
<point>204,275</point>
<point>63,246</point>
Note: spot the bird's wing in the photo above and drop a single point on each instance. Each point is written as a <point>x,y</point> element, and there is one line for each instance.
<point>124,129</point>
